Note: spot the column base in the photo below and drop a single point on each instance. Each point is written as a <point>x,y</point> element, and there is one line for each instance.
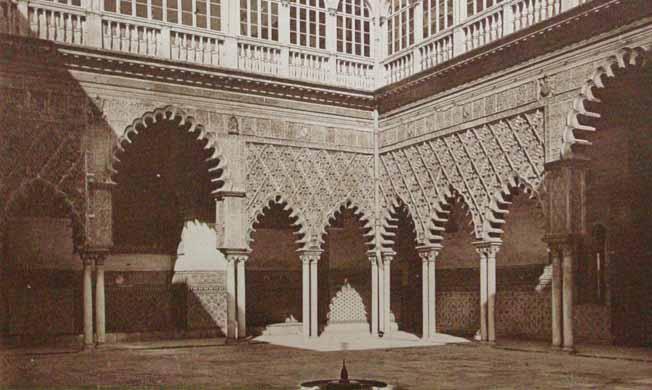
<point>570,350</point>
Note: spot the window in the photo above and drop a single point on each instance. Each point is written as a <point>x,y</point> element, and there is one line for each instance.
<point>259,19</point>
<point>475,6</point>
<point>400,26</point>
<point>193,13</point>
<point>70,2</point>
<point>437,16</point>
<point>308,23</point>
<point>354,28</point>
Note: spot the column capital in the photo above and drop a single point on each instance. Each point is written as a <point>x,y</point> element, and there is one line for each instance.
<point>236,255</point>
<point>560,242</point>
<point>388,256</point>
<point>428,253</point>
<point>372,256</point>
<point>488,248</point>
<point>90,257</point>
<point>309,256</point>
<point>220,195</point>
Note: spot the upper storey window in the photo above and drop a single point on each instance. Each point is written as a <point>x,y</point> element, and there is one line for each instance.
<point>475,6</point>
<point>354,28</point>
<point>437,16</point>
<point>308,23</point>
<point>259,19</point>
<point>400,26</point>
<point>197,13</point>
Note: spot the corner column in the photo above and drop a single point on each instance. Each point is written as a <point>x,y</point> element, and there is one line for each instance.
<point>310,287</point>
<point>567,298</point>
<point>87,291</point>
<point>556,298</point>
<point>428,255</point>
<point>487,251</point>
<point>100,305</point>
<point>236,292</point>
<point>374,291</point>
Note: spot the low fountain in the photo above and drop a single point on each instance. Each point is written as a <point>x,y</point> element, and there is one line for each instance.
<point>344,383</point>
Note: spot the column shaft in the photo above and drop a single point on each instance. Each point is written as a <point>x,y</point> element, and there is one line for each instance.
<point>556,299</point>
<point>381,297</point>
<point>241,299</point>
<point>483,298</point>
<point>231,310</point>
<point>425,298</point>
<point>305,286</point>
<point>313,298</point>
<point>88,302</point>
<point>387,300</point>
<point>491,296</point>
<point>374,296</point>
<point>100,306</point>
<point>567,298</point>
<point>432,314</point>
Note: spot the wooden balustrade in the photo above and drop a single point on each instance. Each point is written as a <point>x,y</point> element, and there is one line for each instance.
<point>70,22</point>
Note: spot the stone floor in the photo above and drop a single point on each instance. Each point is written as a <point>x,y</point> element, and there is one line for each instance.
<point>214,364</point>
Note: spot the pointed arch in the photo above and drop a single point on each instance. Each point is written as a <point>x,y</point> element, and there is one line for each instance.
<point>296,219</point>
<point>217,170</point>
<point>498,208</point>
<point>573,142</point>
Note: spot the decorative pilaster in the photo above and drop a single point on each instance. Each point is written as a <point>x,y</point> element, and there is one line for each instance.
<point>387,258</point>
<point>428,255</point>
<point>87,291</point>
<point>310,287</point>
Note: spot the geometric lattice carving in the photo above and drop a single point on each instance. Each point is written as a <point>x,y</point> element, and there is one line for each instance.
<point>481,165</point>
<point>347,306</point>
<point>314,184</point>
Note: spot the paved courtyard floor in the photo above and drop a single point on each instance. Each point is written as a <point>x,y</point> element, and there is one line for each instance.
<point>215,365</point>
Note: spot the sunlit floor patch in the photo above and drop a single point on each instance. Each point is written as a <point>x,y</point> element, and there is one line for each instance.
<point>358,341</point>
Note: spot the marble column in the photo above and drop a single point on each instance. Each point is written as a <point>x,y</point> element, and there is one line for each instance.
<point>310,286</point>
<point>484,336</point>
<point>387,258</point>
<point>374,292</point>
<point>556,298</point>
<point>428,255</point>
<point>314,303</point>
<point>381,296</point>
<point>231,303</point>
<point>100,306</point>
<point>305,287</point>
<point>241,296</point>
<point>567,296</point>
<point>491,292</point>
<point>87,291</point>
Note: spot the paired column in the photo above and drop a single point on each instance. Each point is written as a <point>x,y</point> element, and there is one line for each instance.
<point>89,260</point>
<point>487,252</point>
<point>310,285</point>
<point>562,296</point>
<point>428,255</point>
<point>236,296</point>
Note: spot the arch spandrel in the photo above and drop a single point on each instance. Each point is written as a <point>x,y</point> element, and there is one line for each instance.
<point>313,181</point>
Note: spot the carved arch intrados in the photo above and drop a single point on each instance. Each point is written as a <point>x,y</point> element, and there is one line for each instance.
<point>23,192</point>
<point>296,220</point>
<point>437,226</point>
<point>572,142</point>
<point>366,221</point>
<point>391,222</point>
<point>217,172</point>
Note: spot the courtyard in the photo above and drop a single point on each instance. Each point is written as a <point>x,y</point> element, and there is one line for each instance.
<point>214,364</point>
